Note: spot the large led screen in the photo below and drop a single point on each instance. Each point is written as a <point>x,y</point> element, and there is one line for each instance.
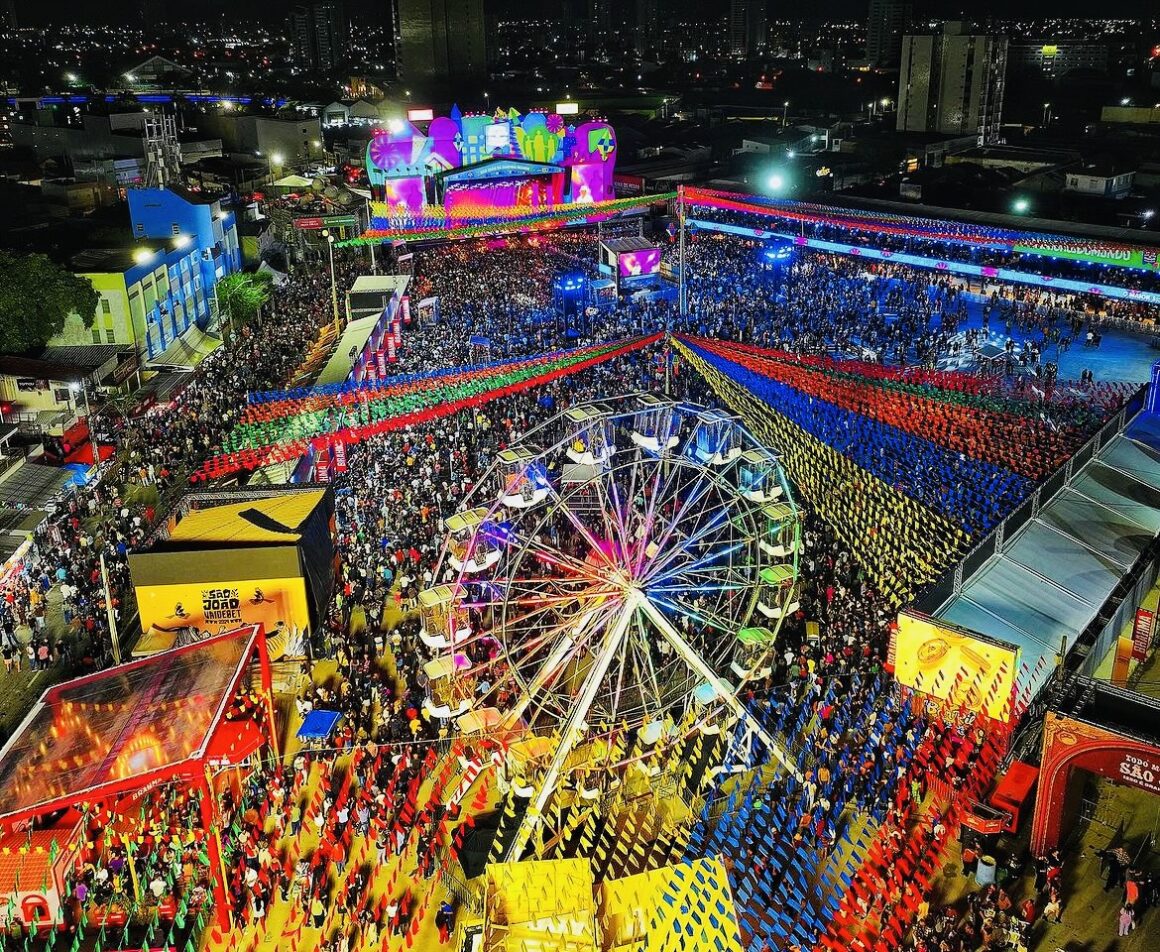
<point>960,667</point>
<point>635,264</point>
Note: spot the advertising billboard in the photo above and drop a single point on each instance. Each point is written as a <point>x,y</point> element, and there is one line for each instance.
<point>964,669</point>
<point>635,264</point>
<point>222,606</point>
<point>1123,257</point>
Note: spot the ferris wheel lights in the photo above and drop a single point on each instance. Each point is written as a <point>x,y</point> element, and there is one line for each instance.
<point>623,586</point>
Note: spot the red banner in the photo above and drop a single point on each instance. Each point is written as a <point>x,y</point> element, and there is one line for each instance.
<point>339,456</point>
<point>397,332</point>
<point>381,361</point>
<point>407,309</point>
<point>250,459</point>
<point>322,469</point>
<point>391,356</point>
<point>1142,633</point>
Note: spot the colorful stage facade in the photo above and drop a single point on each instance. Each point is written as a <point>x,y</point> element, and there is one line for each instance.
<point>472,166</point>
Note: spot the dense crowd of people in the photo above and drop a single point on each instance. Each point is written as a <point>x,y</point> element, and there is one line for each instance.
<point>998,253</point>
<point>157,447</point>
<point>355,837</point>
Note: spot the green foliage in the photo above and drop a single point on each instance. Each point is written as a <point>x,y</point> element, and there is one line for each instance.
<point>240,295</point>
<point>36,296</point>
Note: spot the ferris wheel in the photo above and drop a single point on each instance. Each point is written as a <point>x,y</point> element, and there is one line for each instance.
<point>626,566</point>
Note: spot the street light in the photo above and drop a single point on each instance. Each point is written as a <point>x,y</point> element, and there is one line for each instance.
<point>326,233</point>
<point>776,182</point>
<point>785,114</point>
<point>1047,113</point>
<point>1021,206</point>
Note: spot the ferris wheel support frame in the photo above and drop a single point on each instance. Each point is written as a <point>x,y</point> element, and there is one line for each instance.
<point>550,667</point>
<point>634,600</point>
<point>572,730</point>
<point>697,663</point>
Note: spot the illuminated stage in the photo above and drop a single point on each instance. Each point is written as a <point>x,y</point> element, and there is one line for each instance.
<point>475,167</point>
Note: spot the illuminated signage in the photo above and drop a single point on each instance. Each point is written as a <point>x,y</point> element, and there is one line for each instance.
<point>1049,51</point>
<point>964,669</point>
<point>219,607</point>
<point>567,108</point>
<point>420,115</point>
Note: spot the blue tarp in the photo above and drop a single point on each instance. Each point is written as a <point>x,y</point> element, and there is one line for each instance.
<point>319,725</point>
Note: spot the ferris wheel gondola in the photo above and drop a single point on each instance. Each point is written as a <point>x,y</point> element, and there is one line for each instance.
<point>621,571</point>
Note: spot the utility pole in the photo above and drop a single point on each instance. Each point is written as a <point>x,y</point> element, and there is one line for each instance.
<point>333,282</point>
<point>110,612</point>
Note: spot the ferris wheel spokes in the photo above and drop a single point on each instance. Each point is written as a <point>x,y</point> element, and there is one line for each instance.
<point>574,729</point>
<point>572,642</point>
<point>702,484</point>
<point>689,655</point>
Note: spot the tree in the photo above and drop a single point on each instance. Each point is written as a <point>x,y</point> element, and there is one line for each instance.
<point>241,295</point>
<point>36,296</point>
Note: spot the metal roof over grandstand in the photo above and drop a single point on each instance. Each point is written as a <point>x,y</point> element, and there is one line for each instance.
<point>1127,236</point>
<point>1051,576</point>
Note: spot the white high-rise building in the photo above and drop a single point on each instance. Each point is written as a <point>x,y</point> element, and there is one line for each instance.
<point>953,83</point>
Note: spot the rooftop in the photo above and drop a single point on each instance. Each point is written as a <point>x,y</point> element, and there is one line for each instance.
<point>1105,705</point>
<point>122,258</point>
<point>131,722</point>
<point>624,245</point>
<point>63,371</point>
<point>90,356</point>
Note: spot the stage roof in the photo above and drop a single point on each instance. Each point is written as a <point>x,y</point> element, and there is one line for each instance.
<point>497,167</point>
<point>379,284</point>
<point>276,519</point>
<point>1056,571</point>
<point>622,246</point>
<point>119,729</point>
<point>354,338</point>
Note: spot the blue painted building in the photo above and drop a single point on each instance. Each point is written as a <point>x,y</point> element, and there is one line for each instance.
<point>193,221</point>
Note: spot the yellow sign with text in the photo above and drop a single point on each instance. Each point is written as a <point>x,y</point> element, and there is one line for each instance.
<point>964,669</point>
<point>222,606</point>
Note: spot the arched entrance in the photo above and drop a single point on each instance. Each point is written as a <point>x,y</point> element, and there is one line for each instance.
<point>1070,745</point>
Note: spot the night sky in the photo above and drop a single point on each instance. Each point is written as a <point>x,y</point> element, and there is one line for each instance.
<point>112,11</point>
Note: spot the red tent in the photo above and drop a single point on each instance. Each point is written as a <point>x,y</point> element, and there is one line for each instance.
<point>162,718</point>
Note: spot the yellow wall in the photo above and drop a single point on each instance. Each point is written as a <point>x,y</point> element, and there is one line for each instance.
<point>1130,114</point>
<point>221,606</point>
<point>111,288</point>
<point>33,401</point>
